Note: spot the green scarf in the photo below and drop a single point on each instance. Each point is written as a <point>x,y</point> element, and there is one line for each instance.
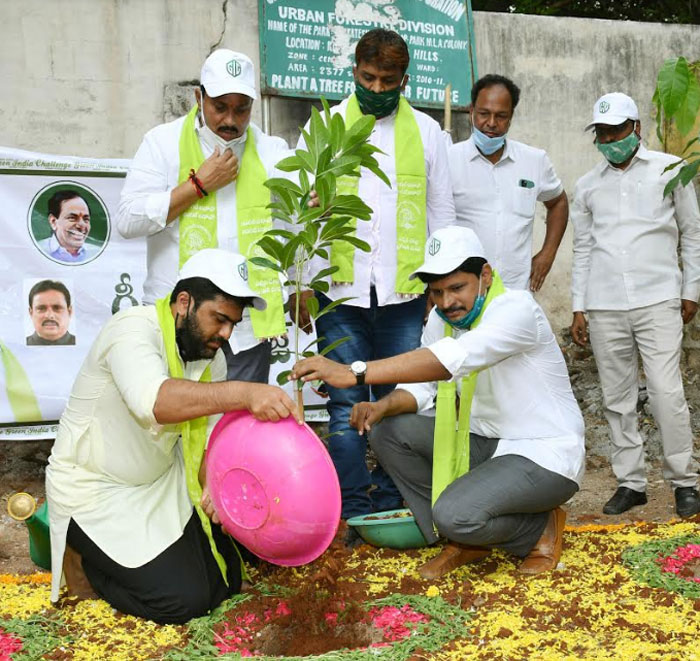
<point>451,437</point>
<point>253,219</point>
<point>193,432</point>
<point>411,218</point>
<point>20,393</point>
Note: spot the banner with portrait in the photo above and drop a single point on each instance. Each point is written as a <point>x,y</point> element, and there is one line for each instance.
<point>64,270</point>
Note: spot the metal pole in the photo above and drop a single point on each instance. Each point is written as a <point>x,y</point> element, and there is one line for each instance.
<point>267,128</point>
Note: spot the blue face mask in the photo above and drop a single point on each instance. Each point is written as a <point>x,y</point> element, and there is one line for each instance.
<point>468,319</point>
<point>485,144</point>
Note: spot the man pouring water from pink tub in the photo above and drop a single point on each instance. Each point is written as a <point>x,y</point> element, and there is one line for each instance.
<point>130,511</point>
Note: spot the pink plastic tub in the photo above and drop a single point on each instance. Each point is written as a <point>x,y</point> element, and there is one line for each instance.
<point>274,487</point>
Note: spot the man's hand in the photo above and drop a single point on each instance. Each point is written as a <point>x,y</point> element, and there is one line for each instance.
<point>208,506</point>
<point>366,414</point>
<point>541,264</point>
<point>579,332</point>
<point>688,310</point>
<point>321,368</point>
<point>270,403</point>
<point>304,320</point>
<point>220,169</point>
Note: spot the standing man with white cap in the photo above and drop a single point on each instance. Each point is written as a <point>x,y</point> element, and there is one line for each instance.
<point>128,502</point>
<point>497,478</point>
<point>626,278</point>
<point>197,182</point>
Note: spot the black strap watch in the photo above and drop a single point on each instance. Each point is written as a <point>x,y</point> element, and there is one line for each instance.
<point>359,369</point>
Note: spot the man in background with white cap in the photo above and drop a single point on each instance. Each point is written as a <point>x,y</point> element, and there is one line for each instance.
<point>518,452</point>
<point>626,278</point>
<point>128,503</point>
<point>197,182</point>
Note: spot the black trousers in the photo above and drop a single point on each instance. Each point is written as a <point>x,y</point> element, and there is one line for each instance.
<point>182,582</point>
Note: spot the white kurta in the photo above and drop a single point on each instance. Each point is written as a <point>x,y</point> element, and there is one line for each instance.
<point>378,267</point>
<point>523,395</point>
<point>113,468</point>
<point>145,200</point>
<point>626,236</point>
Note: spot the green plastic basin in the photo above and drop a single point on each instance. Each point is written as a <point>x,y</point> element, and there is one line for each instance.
<point>394,533</point>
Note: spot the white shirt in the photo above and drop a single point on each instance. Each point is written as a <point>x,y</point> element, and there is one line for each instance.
<point>626,236</point>
<point>523,395</point>
<point>113,469</point>
<point>54,249</point>
<point>497,200</point>
<point>378,267</point>
<point>145,200</point>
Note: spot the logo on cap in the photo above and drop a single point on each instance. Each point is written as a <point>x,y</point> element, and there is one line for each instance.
<point>243,270</point>
<point>234,68</point>
<point>434,247</point>
<point>604,106</point>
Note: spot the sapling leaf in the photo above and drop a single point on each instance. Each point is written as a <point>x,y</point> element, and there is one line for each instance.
<point>283,377</point>
<point>333,345</point>
<point>263,261</point>
<point>337,125</point>
<point>314,341</point>
<point>358,243</point>
<point>276,183</point>
<point>289,164</point>
<point>306,160</point>
<point>312,307</point>
<point>324,273</point>
<point>333,305</point>
<point>320,285</point>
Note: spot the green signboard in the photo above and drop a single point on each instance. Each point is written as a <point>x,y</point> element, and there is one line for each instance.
<point>307,47</point>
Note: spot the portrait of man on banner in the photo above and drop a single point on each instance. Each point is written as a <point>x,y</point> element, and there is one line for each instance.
<point>68,224</point>
<point>51,312</point>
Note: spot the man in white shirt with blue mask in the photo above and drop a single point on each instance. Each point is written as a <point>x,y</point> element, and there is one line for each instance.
<point>626,277</point>
<point>197,182</point>
<point>496,477</point>
<point>497,182</point>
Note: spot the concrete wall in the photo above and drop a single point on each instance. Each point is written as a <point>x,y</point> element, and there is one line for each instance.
<point>89,77</point>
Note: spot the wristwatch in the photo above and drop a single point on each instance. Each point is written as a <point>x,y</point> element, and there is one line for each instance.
<point>359,369</point>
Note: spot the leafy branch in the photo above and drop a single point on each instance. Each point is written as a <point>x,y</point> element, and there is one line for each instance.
<point>333,157</point>
<point>677,101</point>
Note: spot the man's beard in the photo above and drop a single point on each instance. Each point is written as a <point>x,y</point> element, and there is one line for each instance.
<point>191,342</point>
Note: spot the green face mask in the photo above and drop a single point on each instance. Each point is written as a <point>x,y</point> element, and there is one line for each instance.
<point>619,151</point>
<point>379,104</point>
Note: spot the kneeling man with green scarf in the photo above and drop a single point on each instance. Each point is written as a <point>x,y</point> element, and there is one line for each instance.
<point>130,514</point>
<point>495,474</point>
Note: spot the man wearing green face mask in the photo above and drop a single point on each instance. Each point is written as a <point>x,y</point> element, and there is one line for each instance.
<point>626,278</point>
<point>384,315</point>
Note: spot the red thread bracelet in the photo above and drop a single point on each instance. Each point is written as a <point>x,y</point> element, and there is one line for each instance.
<point>197,184</point>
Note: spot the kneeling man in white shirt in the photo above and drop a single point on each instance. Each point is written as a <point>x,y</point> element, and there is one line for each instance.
<point>496,479</point>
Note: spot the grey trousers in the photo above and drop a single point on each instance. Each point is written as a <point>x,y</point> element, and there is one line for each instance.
<point>655,332</point>
<point>502,502</point>
<point>252,365</point>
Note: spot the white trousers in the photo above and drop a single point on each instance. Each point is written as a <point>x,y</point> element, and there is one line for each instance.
<point>655,332</point>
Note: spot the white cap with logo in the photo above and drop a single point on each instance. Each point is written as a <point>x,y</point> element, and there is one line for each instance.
<point>228,72</point>
<point>613,109</point>
<point>448,248</point>
<point>227,270</point>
